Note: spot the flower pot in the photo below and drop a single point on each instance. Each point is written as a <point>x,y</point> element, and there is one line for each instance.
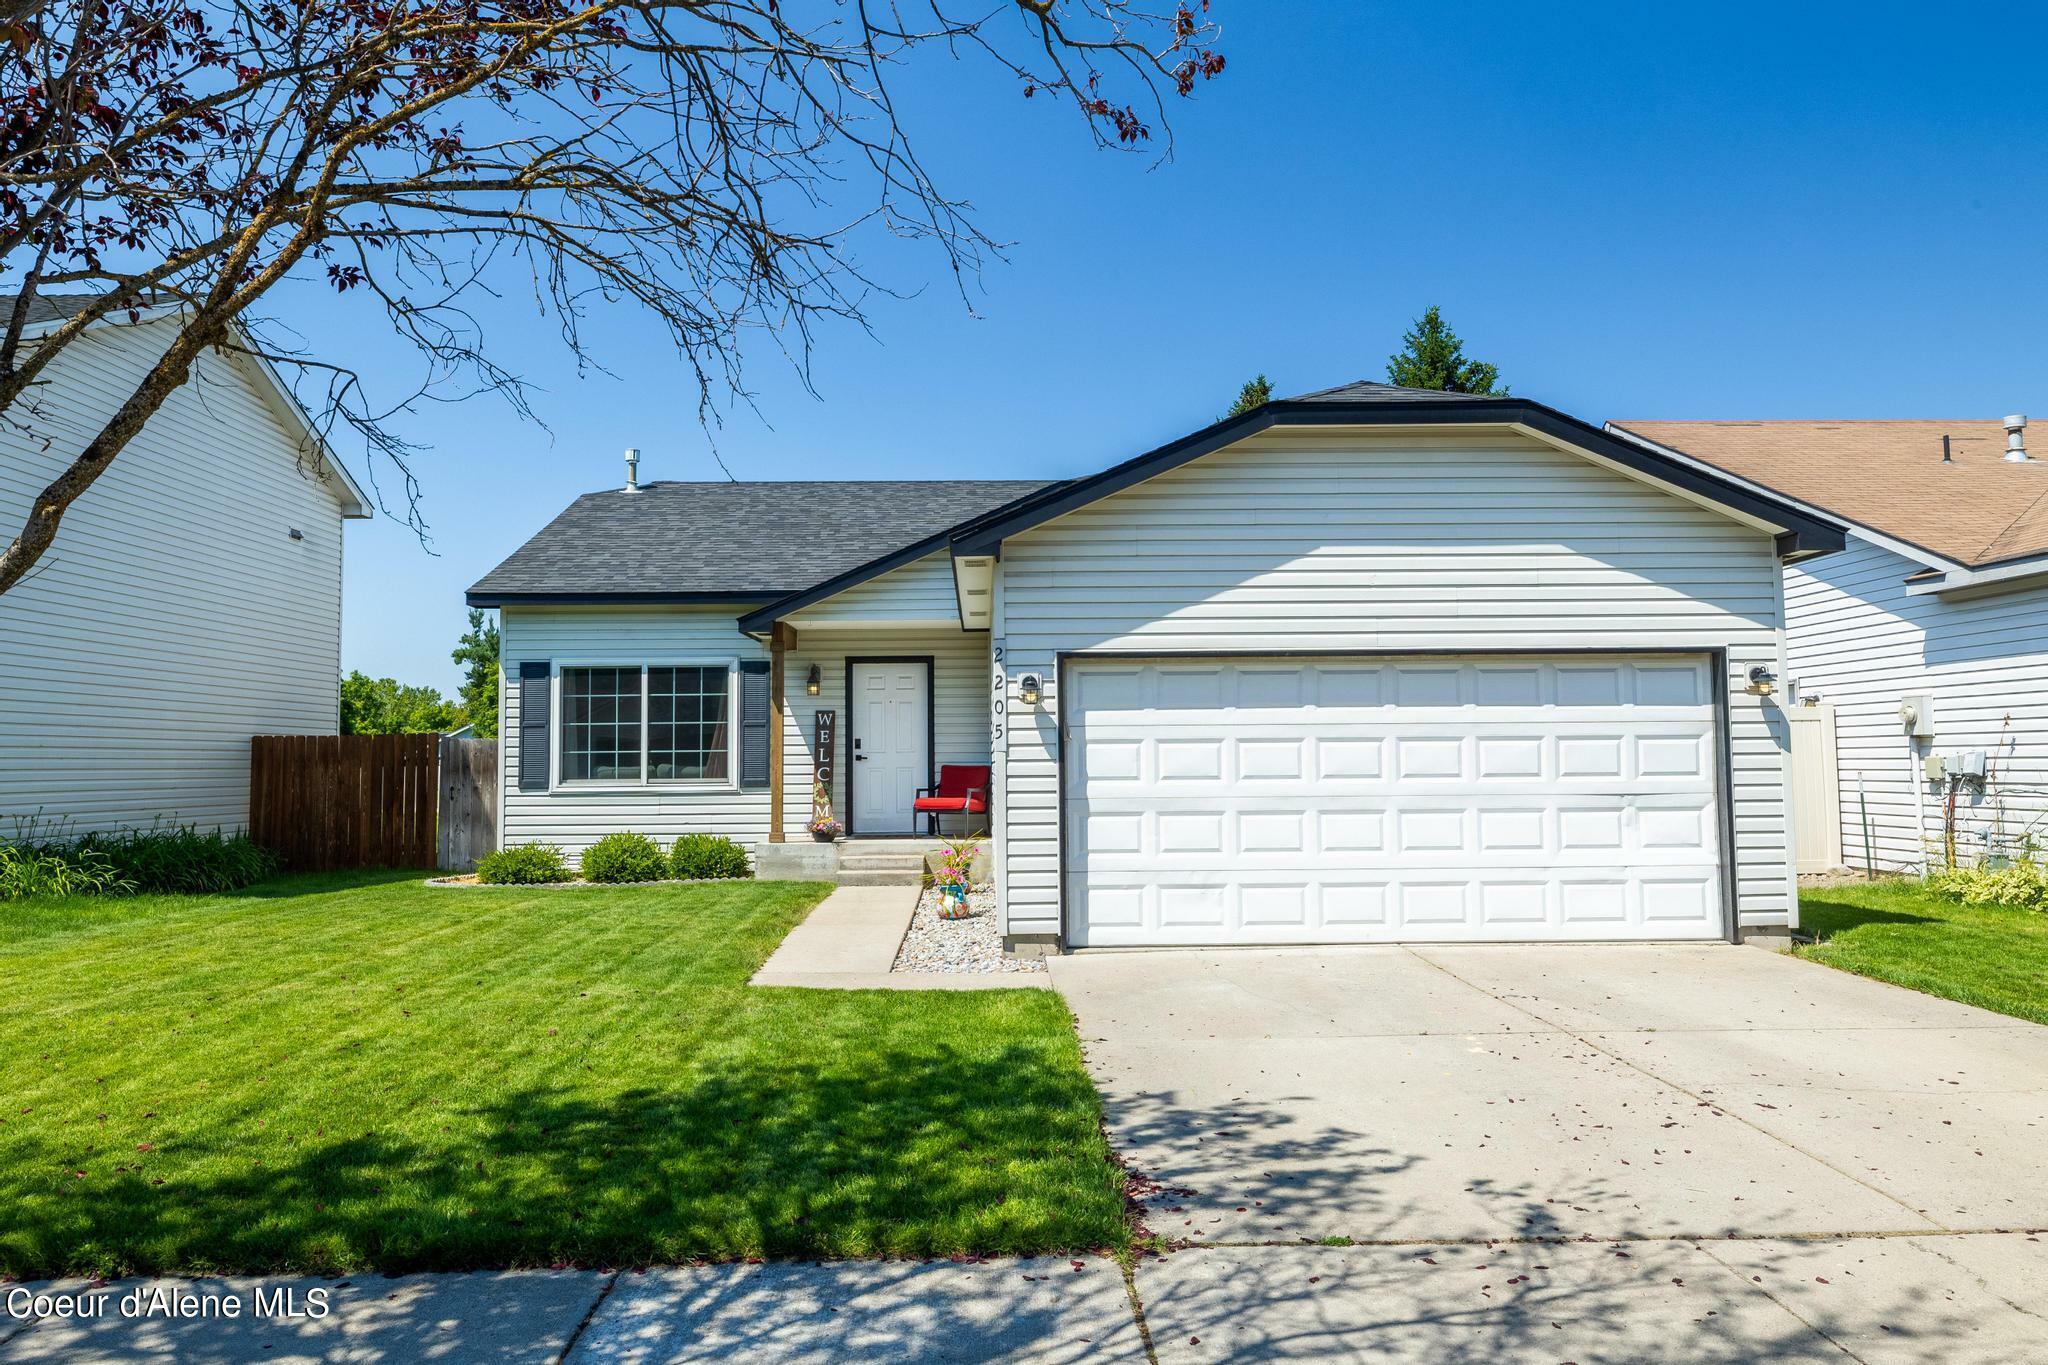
<point>952,902</point>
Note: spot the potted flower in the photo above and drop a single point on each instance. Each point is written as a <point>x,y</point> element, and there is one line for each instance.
<point>956,862</point>
<point>951,884</point>
<point>823,827</point>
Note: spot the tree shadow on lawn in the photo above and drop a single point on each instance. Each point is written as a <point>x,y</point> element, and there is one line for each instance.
<point>289,883</point>
<point>923,1149</point>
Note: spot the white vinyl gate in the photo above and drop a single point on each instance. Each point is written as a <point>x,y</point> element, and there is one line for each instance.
<point>1479,798</point>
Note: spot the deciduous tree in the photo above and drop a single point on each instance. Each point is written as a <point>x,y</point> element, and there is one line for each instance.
<point>706,161</point>
<point>386,706</point>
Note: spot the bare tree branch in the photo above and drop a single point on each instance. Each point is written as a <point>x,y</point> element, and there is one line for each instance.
<point>706,161</point>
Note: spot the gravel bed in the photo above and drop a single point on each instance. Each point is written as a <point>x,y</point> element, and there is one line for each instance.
<point>974,944</point>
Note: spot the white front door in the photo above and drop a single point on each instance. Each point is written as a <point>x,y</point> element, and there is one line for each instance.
<point>1363,800</point>
<point>891,743</point>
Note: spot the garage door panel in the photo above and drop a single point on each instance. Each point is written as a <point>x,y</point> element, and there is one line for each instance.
<point>1107,691</point>
<point>1677,755</point>
<point>1564,830</point>
<point>1527,904</point>
<point>1283,801</point>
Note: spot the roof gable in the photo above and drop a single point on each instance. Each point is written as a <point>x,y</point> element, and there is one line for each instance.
<point>1369,404</point>
<point>48,312</point>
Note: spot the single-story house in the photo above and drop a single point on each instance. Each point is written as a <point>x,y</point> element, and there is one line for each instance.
<point>1368,665</point>
<point>1938,606</point>
<point>191,599</point>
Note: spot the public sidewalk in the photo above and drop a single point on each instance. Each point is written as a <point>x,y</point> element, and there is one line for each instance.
<point>1875,1299</point>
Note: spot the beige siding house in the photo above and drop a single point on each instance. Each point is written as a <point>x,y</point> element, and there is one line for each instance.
<point>192,597</point>
<point>1371,665</point>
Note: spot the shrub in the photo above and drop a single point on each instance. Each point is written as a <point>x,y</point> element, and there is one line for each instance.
<point>179,860</point>
<point>523,865</point>
<point>2022,885</point>
<point>54,870</point>
<point>708,857</point>
<point>624,857</point>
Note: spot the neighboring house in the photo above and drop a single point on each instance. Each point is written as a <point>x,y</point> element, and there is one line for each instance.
<point>192,597</point>
<point>1942,593</point>
<point>1373,664</point>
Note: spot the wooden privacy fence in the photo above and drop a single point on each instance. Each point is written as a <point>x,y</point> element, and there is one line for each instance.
<point>324,802</point>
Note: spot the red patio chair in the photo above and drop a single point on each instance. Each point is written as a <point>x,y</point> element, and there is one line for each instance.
<point>962,790</point>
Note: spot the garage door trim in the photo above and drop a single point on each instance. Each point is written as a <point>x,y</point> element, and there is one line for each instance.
<point>1717,670</point>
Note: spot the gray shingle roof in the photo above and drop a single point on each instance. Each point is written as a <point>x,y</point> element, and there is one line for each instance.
<point>763,540</point>
<point>50,307</point>
<point>1365,391</point>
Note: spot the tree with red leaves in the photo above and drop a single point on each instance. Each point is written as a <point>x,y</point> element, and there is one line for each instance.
<point>683,156</point>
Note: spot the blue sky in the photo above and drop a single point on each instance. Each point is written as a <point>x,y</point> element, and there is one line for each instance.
<point>1707,211</point>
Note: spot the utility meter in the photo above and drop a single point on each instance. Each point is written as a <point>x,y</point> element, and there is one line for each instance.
<point>1916,713</point>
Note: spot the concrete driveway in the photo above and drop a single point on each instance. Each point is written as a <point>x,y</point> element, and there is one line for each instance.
<point>1735,1123</point>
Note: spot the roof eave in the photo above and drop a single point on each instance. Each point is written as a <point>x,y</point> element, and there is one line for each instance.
<point>2005,574</point>
<point>481,596</point>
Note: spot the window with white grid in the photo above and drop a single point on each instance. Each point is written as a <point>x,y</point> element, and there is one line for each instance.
<point>601,724</point>
<point>688,710</point>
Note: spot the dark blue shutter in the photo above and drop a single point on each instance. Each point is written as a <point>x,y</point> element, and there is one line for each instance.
<point>533,726</point>
<point>755,717</point>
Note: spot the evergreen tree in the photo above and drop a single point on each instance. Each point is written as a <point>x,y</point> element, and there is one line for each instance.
<point>1432,357</point>
<point>1255,393</point>
<point>477,652</point>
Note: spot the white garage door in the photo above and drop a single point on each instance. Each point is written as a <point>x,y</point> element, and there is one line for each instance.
<point>1355,801</point>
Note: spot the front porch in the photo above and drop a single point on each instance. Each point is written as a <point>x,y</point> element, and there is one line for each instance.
<point>874,710</point>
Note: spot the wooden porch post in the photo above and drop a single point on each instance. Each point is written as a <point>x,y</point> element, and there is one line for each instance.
<point>780,639</point>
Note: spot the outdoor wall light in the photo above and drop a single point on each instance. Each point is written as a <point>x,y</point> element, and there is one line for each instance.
<point>813,681</point>
<point>1762,682</point>
<point>1028,689</point>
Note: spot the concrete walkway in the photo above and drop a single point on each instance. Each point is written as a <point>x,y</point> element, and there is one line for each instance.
<point>1887,1301</point>
<point>848,943</point>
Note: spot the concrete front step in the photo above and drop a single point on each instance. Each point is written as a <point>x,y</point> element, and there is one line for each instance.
<point>853,876</point>
<point>881,861</point>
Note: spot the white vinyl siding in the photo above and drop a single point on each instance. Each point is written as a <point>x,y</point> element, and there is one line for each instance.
<point>960,686</point>
<point>1857,639</point>
<point>1440,541</point>
<point>921,590</point>
<point>174,617</point>
<point>576,817</point>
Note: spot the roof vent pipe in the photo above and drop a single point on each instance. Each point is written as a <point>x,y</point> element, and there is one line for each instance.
<point>632,469</point>
<point>2016,438</point>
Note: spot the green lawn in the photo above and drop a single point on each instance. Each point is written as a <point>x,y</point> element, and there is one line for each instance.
<point>1900,932</point>
<point>359,1071</point>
